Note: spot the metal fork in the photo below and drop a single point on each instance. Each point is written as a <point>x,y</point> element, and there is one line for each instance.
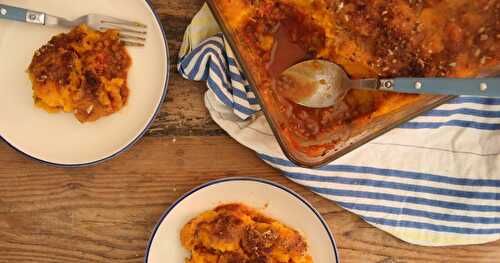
<point>131,33</point>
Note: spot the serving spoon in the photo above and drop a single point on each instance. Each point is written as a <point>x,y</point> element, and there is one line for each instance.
<point>321,84</point>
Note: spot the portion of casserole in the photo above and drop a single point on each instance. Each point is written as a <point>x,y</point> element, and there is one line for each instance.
<point>368,38</point>
<point>236,233</point>
<point>83,72</point>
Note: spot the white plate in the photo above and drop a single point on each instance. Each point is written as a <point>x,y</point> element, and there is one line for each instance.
<point>59,138</point>
<point>272,199</point>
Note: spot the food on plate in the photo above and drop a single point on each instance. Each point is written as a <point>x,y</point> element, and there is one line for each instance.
<point>236,233</point>
<point>368,38</point>
<point>83,72</point>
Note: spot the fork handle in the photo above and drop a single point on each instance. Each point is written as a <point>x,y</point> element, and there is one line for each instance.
<point>489,87</point>
<point>21,15</point>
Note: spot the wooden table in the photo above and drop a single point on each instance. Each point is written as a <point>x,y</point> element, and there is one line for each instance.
<point>106,213</point>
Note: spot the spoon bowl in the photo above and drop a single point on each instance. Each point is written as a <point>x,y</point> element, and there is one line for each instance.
<point>315,83</point>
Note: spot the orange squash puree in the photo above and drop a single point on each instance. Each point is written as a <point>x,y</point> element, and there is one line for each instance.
<point>83,72</point>
<point>237,233</point>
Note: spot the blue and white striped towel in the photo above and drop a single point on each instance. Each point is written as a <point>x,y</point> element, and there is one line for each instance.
<point>433,181</point>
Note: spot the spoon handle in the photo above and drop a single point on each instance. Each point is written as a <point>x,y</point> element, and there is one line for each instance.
<point>489,87</point>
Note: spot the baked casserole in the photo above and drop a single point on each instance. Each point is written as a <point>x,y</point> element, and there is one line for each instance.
<point>83,72</point>
<point>368,38</point>
<point>236,233</point>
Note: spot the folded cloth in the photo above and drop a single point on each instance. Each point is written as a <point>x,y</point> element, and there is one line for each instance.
<point>433,181</point>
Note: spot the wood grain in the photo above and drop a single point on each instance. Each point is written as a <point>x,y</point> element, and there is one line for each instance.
<point>106,213</point>
<point>183,112</point>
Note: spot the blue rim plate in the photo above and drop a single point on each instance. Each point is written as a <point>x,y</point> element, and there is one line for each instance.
<point>270,198</point>
<point>59,139</point>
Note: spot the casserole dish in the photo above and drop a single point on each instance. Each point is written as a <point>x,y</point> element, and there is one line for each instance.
<point>368,39</point>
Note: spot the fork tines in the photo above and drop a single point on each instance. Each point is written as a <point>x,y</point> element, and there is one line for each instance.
<point>131,33</point>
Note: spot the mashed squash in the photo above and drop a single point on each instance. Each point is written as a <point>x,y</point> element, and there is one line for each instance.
<point>236,233</point>
<point>83,72</point>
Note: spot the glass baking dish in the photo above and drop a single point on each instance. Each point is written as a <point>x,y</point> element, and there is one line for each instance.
<point>348,137</point>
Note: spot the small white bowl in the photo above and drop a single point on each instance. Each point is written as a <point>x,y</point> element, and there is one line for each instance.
<point>59,139</point>
<point>271,199</point>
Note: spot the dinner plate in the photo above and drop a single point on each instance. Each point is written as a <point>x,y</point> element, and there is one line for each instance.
<point>59,138</point>
<point>271,199</point>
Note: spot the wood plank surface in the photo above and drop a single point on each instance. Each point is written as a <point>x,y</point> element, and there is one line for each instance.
<point>183,112</point>
<point>106,213</point>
